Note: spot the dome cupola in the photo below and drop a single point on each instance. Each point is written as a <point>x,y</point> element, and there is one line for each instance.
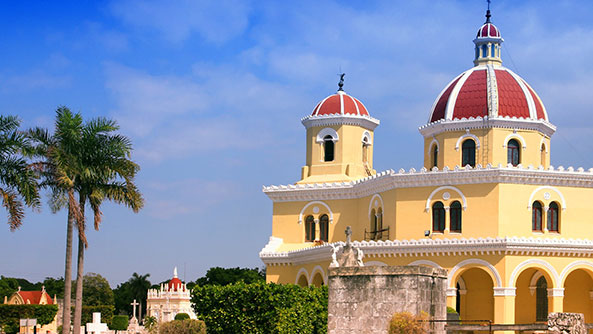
<point>488,43</point>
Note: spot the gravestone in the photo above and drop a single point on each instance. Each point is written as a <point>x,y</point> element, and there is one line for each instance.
<point>362,299</point>
<point>96,327</point>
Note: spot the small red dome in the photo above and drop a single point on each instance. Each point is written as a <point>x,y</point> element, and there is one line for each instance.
<point>488,30</point>
<point>490,91</point>
<point>340,104</point>
<point>175,283</point>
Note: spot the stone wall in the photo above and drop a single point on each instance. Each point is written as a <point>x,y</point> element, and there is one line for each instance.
<point>362,300</point>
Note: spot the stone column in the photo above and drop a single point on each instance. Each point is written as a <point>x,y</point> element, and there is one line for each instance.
<point>317,229</point>
<point>556,300</point>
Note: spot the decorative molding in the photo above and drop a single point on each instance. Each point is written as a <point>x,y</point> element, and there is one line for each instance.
<point>554,189</point>
<point>434,104</point>
<point>467,135</point>
<point>366,122</point>
<point>533,281</point>
<point>366,135</point>
<point>444,247</point>
<point>505,291</point>
<point>514,136</point>
<point>424,263</point>
<point>451,292</point>
<point>434,192</point>
<point>493,271</point>
<point>455,93</point>
<point>315,270</point>
<point>302,273</point>
<point>556,292</point>
<point>371,206</point>
<point>541,265</point>
<point>431,145</point>
<point>569,269</point>
<point>390,179</point>
<point>327,132</point>
<point>485,122</point>
<point>329,211</point>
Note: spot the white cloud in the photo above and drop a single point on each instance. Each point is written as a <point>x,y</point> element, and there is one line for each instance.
<point>215,20</point>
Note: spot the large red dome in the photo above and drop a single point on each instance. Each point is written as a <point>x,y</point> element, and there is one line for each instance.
<point>340,104</point>
<point>486,90</point>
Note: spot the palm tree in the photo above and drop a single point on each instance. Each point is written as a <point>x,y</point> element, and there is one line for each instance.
<point>87,160</point>
<point>18,182</point>
<point>139,285</point>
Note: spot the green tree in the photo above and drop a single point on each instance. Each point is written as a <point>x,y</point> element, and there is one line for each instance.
<point>226,276</point>
<point>97,291</point>
<point>8,286</point>
<point>18,181</point>
<point>134,288</point>
<point>85,163</point>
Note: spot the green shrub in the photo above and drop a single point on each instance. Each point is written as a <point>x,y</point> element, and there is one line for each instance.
<point>261,308</point>
<point>407,323</point>
<point>181,316</point>
<point>11,314</point>
<point>187,326</point>
<point>119,322</point>
<point>451,310</point>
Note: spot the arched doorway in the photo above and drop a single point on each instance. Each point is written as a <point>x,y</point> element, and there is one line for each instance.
<point>578,287</point>
<point>532,302</point>
<point>317,280</point>
<point>302,281</point>
<point>476,295</point>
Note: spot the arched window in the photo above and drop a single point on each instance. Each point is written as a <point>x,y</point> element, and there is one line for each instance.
<point>379,234</point>
<point>323,228</point>
<point>553,217</point>
<point>455,217</point>
<point>536,217</point>
<point>541,300</point>
<point>543,154</point>
<point>492,51</point>
<point>309,229</point>
<point>365,149</point>
<point>328,148</point>
<point>373,227</point>
<point>477,52</point>
<point>484,51</point>
<point>513,152</point>
<point>468,153</point>
<point>435,155</point>
<point>438,217</point>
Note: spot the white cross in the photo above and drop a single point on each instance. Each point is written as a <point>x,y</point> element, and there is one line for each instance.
<point>134,304</point>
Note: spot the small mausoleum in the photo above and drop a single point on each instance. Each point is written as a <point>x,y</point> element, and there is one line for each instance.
<point>172,298</point>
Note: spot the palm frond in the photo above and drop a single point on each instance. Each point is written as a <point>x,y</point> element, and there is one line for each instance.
<point>15,209</point>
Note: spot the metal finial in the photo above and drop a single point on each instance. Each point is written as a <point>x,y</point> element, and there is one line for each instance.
<point>488,12</point>
<point>341,83</point>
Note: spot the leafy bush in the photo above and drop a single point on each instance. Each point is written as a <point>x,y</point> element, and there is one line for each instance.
<point>261,308</point>
<point>119,322</point>
<point>181,316</point>
<point>10,315</point>
<point>187,326</point>
<point>407,323</point>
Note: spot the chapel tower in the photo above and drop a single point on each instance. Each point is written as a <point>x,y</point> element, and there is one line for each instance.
<point>487,115</point>
<point>339,140</point>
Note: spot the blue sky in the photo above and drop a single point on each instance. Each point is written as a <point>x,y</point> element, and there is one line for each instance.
<point>212,92</point>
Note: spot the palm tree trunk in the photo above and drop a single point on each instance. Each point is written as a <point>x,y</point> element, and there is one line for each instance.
<point>79,276</point>
<point>67,311</point>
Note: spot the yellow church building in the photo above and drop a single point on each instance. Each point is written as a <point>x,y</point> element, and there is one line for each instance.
<point>514,233</point>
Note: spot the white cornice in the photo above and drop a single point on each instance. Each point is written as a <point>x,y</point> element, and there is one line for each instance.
<point>440,247</point>
<point>366,122</point>
<point>390,179</point>
<point>463,124</point>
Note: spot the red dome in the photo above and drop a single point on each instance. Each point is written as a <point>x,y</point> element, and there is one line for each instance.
<point>340,104</point>
<point>175,283</point>
<point>490,91</point>
<point>488,30</point>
